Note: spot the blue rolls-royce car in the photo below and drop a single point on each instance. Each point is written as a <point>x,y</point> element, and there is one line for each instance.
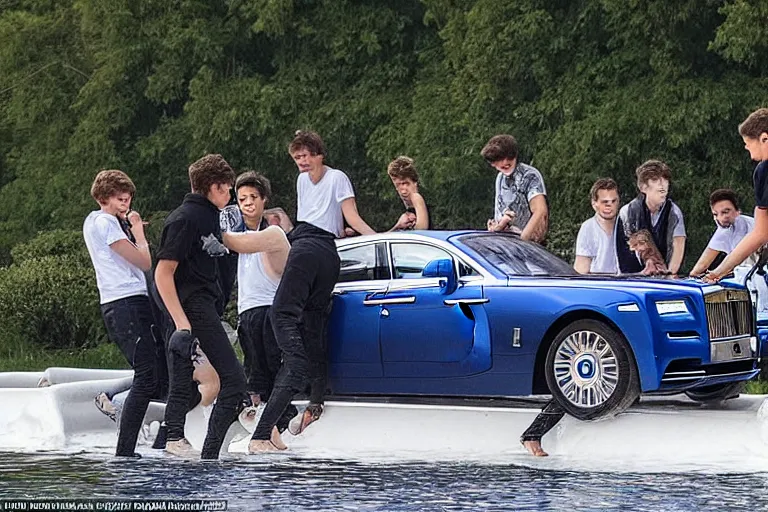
<point>476,314</point>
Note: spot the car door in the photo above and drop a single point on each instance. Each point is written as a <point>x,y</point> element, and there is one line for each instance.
<point>424,331</point>
<point>353,330</point>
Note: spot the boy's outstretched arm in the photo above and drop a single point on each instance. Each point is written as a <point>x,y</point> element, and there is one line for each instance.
<point>166,287</point>
<point>678,250</point>
<point>705,260</point>
<point>536,229</point>
<point>582,264</point>
<point>349,210</point>
<point>284,219</point>
<point>271,239</point>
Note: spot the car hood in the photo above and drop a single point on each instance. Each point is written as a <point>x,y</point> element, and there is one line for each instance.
<point>634,282</point>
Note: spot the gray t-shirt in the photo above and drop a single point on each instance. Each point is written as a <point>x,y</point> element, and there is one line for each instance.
<point>516,191</point>
<point>676,213</point>
<point>726,239</point>
<point>593,242</point>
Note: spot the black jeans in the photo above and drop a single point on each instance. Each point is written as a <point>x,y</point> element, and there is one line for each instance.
<point>299,316</point>
<point>262,357</point>
<point>129,326</point>
<point>206,327</point>
<point>549,416</point>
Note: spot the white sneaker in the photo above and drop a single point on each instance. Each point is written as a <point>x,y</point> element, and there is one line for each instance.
<point>181,447</point>
<point>105,405</point>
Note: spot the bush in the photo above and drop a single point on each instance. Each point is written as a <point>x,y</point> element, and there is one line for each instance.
<point>48,296</point>
<point>59,242</point>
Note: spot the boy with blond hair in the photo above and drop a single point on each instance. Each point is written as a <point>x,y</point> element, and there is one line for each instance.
<point>120,265</point>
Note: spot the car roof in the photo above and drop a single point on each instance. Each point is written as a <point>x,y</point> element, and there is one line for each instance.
<point>445,236</point>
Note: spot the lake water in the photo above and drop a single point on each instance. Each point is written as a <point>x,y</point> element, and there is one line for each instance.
<point>280,482</point>
<point>663,454</point>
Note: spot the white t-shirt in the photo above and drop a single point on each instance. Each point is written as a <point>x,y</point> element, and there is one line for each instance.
<point>319,203</point>
<point>116,277</point>
<point>255,287</point>
<point>593,242</point>
<point>726,239</point>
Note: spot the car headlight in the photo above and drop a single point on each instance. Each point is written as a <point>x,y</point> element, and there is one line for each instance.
<point>668,307</point>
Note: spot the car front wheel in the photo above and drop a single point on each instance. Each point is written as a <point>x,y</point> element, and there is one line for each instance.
<point>590,371</point>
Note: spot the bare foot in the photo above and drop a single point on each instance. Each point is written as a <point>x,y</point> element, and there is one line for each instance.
<point>262,446</point>
<point>534,448</point>
<point>276,440</point>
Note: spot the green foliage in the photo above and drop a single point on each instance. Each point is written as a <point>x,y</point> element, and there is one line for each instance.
<point>48,296</point>
<point>58,242</point>
<point>590,88</point>
<point>32,358</point>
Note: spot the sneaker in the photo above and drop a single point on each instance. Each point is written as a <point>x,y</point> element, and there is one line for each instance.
<point>160,438</point>
<point>181,447</point>
<point>105,405</point>
<point>302,421</point>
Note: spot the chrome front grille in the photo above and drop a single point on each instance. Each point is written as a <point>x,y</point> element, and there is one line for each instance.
<point>729,313</point>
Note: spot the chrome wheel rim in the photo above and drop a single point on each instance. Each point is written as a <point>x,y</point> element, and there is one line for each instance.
<point>586,371</point>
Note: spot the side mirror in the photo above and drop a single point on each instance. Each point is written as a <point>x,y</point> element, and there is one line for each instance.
<point>443,267</point>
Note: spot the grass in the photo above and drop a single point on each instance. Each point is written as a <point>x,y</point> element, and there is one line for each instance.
<point>25,359</point>
<point>757,387</point>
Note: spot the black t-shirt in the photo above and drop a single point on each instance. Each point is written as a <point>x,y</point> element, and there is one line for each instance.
<point>192,236</point>
<point>760,180</point>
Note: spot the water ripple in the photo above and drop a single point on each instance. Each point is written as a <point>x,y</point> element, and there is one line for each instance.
<point>286,483</point>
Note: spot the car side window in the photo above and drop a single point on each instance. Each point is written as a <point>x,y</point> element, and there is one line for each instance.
<point>363,263</point>
<point>410,259</point>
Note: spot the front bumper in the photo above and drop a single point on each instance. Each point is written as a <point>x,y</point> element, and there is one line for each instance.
<point>691,375</point>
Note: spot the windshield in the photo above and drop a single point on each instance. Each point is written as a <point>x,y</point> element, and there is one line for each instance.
<point>516,257</point>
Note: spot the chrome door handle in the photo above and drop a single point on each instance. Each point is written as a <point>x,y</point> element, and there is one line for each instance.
<point>452,302</point>
<point>395,300</point>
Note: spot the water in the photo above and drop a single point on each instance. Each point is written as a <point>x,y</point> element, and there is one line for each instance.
<point>663,454</point>
<point>286,483</point>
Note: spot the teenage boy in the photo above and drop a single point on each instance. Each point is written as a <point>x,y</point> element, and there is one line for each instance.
<point>263,251</point>
<point>521,198</point>
<point>187,280</point>
<point>303,298</point>
<point>404,177</point>
<point>732,226</point>
<point>654,211</point>
<point>125,307</point>
<point>596,242</point>
<point>754,132</point>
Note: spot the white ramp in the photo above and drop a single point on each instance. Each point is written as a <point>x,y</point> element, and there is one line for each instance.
<point>658,435</point>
